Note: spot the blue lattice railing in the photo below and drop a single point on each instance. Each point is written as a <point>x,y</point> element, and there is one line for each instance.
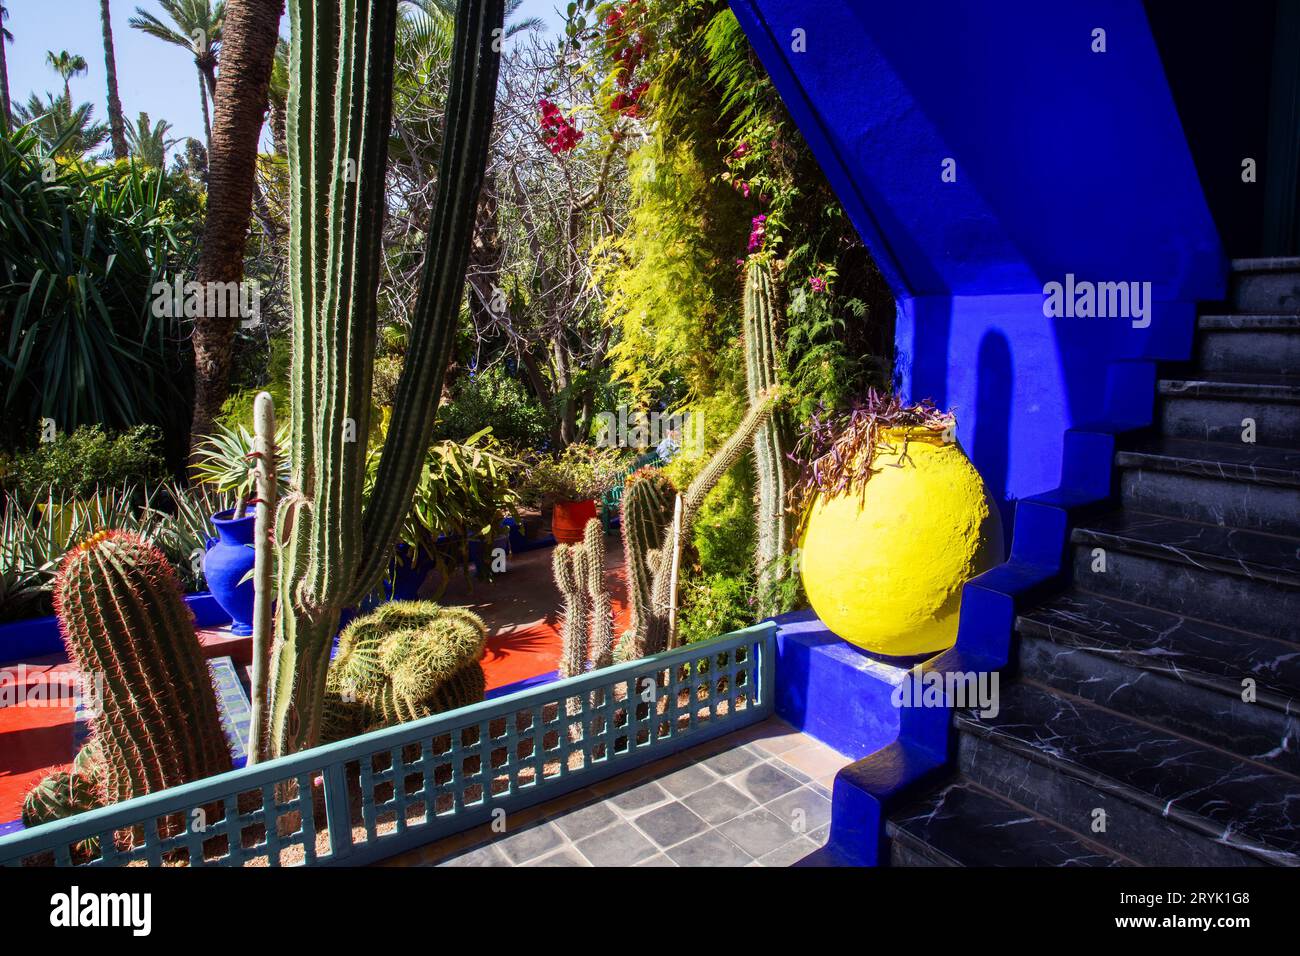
<point>373,796</point>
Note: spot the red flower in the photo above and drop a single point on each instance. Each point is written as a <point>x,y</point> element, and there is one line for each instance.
<point>558,132</point>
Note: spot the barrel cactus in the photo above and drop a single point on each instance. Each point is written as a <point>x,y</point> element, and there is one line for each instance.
<point>333,546</point>
<point>124,621</point>
<point>404,661</point>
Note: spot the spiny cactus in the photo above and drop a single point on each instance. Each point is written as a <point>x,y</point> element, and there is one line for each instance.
<point>332,554</point>
<point>123,620</point>
<point>62,794</point>
<point>404,661</point>
<point>656,631</point>
<point>771,443</point>
<point>647,512</point>
<point>588,623</point>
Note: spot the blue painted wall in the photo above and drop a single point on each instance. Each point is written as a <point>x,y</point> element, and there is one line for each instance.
<point>1067,161</point>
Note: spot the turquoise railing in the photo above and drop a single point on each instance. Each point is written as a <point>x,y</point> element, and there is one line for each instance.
<point>370,797</point>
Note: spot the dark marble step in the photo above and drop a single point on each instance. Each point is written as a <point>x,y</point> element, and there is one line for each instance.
<point>1229,576</point>
<point>1214,406</point>
<point>1252,487</point>
<point>963,825</point>
<point>1155,779</point>
<point>1265,285</point>
<point>1180,673</point>
<point>1249,343</point>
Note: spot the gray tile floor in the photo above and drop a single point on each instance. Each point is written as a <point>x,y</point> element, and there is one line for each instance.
<point>738,802</point>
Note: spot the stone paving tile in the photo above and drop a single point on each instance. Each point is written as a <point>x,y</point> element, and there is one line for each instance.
<point>688,780</point>
<point>758,832</point>
<point>670,824</point>
<point>487,855</point>
<point>815,809</point>
<point>815,759</point>
<point>633,801</point>
<point>566,856</point>
<point>765,782</point>
<point>584,821</point>
<point>732,761</point>
<point>710,848</point>
<point>788,854</point>
<point>719,803</point>
<point>619,845</point>
<point>524,845</point>
<point>657,860</point>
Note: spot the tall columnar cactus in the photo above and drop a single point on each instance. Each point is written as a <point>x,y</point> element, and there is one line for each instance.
<point>654,630</point>
<point>332,552</point>
<point>647,512</point>
<point>588,622</point>
<point>771,443</point>
<point>124,622</point>
<point>402,662</point>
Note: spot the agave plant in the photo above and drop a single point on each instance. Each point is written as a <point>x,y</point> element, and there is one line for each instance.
<point>225,461</point>
<point>184,534</point>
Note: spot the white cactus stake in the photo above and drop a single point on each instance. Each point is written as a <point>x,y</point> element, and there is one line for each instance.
<point>264,472</point>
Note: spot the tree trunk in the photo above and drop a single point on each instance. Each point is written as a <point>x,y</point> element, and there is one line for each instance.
<point>203,101</point>
<point>247,49</point>
<point>115,121</point>
<point>4,77</point>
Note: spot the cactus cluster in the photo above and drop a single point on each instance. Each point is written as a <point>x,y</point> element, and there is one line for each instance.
<point>647,506</point>
<point>771,443</point>
<point>124,622</point>
<point>588,627</point>
<point>404,661</point>
<point>66,792</point>
<point>333,546</point>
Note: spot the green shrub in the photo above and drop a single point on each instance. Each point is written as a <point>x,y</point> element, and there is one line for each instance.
<point>75,465</point>
<point>716,605</point>
<point>496,398</point>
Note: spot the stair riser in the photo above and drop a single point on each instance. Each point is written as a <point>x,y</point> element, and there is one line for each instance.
<point>1268,292</point>
<point>1271,353</point>
<point>1209,594</point>
<point>1212,419</point>
<point>1131,830</point>
<point>1227,503</point>
<point>1213,715</point>
<point>905,854</point>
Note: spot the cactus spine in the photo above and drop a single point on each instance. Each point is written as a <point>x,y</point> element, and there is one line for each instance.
<point>340,106</point>
<point>123,620</point>
<point>405,661</point>
<point>771,442</point>
<point>588,626</point>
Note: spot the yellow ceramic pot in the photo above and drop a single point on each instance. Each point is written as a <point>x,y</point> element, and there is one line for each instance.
<point>884,566</point>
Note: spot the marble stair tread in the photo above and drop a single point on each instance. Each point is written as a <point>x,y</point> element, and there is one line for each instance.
<point>962,824</point>
<point>1266,264</point>
<point>1192,651</point>
<point>1229,550</point>
<point>1199,787</point>
<point>1211,459</point>
<point>1236,386</point>
<point>1249,321</point>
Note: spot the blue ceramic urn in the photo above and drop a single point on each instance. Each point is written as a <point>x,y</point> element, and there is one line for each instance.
<point>229,558</point>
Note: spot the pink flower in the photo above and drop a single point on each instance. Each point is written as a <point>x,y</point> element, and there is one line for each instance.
<point>757,233</point>
<point>818,284</point>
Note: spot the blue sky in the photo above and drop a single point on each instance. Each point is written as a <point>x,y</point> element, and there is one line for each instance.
<point>152,76</point>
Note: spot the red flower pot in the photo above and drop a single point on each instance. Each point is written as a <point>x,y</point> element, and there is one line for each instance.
<point>570,519</point>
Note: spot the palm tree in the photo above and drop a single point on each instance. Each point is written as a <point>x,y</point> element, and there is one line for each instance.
<point>149,143</point>
<point>250,34</point>
<point>197,27</point>
<point>67,65</point>
<point>5,37</point>
<point>72,131</point>
<point>116,121</point>
<point>278,113</point>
